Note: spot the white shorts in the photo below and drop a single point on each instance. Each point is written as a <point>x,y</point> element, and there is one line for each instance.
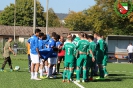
<point>52,60</point>
<point>34,58</point>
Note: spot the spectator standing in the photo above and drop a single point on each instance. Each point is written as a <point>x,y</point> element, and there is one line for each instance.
<point>130,53</point>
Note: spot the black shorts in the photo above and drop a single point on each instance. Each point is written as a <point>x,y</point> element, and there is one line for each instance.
<point>60,58</point>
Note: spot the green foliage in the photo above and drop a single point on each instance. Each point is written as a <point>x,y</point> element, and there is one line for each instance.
<point>53,20</point>
<point>24,14</point>
<point>100,18</point>
<point>77,21</point>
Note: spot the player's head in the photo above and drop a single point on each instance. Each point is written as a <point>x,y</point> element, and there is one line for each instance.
<point>81,35</point>
<point>62,39</point>
<point>99,36</point>
<point>95,35</point>
<point>55,37</point>
<point>58,37</point>
<point>53,34</point>
<point>37,31</point>
<point>41,35</point>
<point>130,43</point>
<point>44,37</point>
<point>69,37</point>
<point>85,36</point>
<point>73,37</point>
<point>90,37</point>
<point>10,39</point>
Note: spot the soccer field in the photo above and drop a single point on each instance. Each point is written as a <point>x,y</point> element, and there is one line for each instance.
<point>120,76</point>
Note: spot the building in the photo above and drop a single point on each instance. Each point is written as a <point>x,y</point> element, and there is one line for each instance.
<point>22,33</point>
<point>117,46</point>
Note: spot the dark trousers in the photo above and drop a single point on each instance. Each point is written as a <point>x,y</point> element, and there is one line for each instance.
<point>130,57</point>
<point>7,59</point>
<point>29,62</point>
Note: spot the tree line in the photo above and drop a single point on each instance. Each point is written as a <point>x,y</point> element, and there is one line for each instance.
<point>24,15</point>
<point>100,18</point>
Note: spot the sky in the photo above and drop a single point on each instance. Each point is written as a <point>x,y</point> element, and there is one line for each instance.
<point>59,6</point>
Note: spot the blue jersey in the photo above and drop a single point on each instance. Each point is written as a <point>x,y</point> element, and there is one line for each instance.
<point>33,44</point>
<point>46,41</point>
<point>40,44</point>
<point>51,43</point>
<point>58,43</point>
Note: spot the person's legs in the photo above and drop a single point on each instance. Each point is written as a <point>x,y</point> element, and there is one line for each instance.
<point>35,65</point>
<point>10,63</point>
<point>79,62</point>
<point>29,62</point>
<point>4,63</point>
<point>46,66</point>
<point>41,68</point>
<point>50,67</point>
<point>58,63</point>
<point>84,67</point>
<point>54,65</point>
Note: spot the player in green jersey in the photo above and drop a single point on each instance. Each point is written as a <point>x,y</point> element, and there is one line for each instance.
<point>70,49</point>
<point>82,48</point>
<point>91,56</point>
<point>105,59</point>
<point>100,55</point>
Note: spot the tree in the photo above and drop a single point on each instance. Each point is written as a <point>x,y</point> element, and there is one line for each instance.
<point>53,20</point>
<point>77,21</point>
<point>24,14</point>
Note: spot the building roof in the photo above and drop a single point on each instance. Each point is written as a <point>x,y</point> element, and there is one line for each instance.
<point>25,31</point>
<point>61,16</point>
<point>120,37</point>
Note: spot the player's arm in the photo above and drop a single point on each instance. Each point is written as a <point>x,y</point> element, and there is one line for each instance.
<point>90,50</point>
<point>63,48</point>
<point>36,45</point>
<point>10,49</point>
<point>93,59</point>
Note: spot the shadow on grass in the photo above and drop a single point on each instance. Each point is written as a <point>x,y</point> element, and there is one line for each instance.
<point>117,75</point>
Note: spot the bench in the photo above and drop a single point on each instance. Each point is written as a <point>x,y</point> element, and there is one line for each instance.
<point>118,56</point>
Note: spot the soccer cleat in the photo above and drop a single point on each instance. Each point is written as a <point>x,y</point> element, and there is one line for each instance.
<point>63,81</point>
<point>78,81</point>
<point>1,70</point>
<point>105,75</point>
<point>32,78</point>
<point>68,81</point>
<point>37,79</point>
<point>83,81</point>
<point>11,70</point>
<point>100,78</point>
<point>90,79</point>
<point>41,77</point>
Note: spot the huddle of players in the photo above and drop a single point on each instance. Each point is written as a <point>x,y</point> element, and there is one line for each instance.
<point>43,53</point>
<point>82,54</point>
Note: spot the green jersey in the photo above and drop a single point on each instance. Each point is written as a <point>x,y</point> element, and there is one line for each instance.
<point>92,47</point>
<point>75,41</point>
<point>83,46</point>
<point>69,51</point>
<point>105,49</point>
<point>100,45</point>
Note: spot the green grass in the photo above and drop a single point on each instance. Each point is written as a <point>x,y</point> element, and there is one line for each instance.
<point>120,76</point>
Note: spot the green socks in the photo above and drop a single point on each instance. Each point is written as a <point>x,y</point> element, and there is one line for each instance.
<point>64,74</point>
<point>77,74</point>
<point>105,71</point>
<point>101,73</point>
<point>69,75</point>
<point>84,74</point>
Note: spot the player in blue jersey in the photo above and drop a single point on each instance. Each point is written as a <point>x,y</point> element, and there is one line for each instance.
<point>41,46</point>
<point>52,58</point>
<point>34,53</point>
